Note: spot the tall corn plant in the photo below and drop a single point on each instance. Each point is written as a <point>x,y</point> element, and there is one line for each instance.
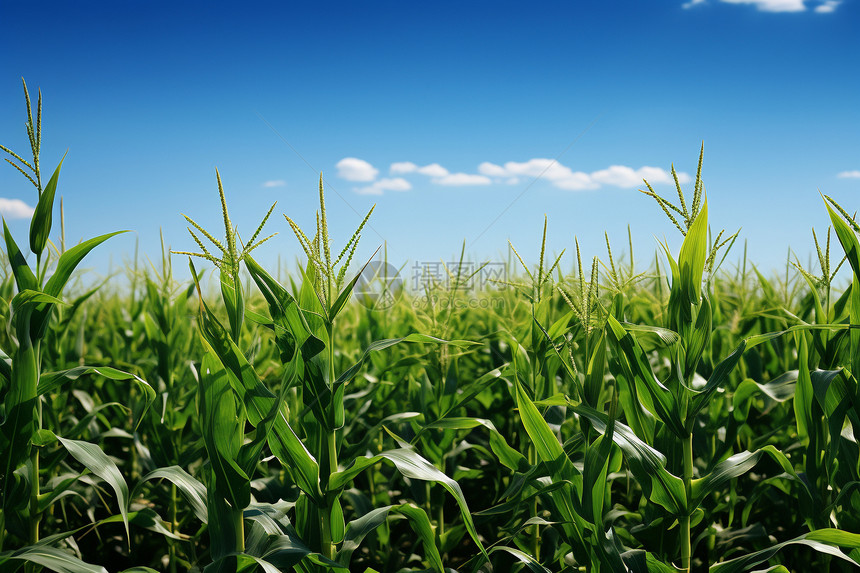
<point>232,395</point>
<point>670,407</point>
<point>23,384</point>
<point>323,295</point>
<point>827,401</point>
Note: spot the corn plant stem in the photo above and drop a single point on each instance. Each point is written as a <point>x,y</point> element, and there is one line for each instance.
<point>532,457</point>
<point>239,529</point>
<point>35,515</point>
<point>684,521</point>
<point>440,508</point>
<point>428,506</point>
<point>535,529</point>
<point>330,449</point>
<point>174,526</point>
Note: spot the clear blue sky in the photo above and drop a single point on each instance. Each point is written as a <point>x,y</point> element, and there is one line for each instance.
<point>150,97</point>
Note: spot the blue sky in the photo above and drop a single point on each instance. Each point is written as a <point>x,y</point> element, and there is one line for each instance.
<point>443,115</point>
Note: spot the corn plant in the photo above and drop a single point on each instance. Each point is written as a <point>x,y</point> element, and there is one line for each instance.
<point>23,384</point>
<point>231,395</point>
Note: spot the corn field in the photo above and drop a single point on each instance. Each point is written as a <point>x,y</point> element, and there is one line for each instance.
<point>689,415</point>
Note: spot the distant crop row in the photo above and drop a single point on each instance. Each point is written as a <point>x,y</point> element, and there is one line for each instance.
<point>684,417</point>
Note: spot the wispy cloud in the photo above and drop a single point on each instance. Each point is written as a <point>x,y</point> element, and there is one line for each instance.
<point>354,169</point>
<point>462,179</point>
<point>385,184</point>
<point>849,175</point>
<point>564,177</point>
<point>432,170</point>
<point>828,6</point>
<point>439,175</point>
<point>821,6</point>
<point>15,209</point>
<point>510,173</point>
<point>275,183</point>
<point>772,5</point>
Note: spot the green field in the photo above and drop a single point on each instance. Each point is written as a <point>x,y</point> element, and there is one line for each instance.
<point>690,414</point>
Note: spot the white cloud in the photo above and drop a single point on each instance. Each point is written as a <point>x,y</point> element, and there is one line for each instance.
<point>828,6</point>
<point>15,209</point>
<point>432,170</point>
<point>462,179</point>
<point>849,175</point>
<point>385,184</point>
<point>564,177</point>
<point>822,7</point>
<point>492,170</point>
<point>772,5</point>
<point>354,169</point>
<point>275,183</point>
<point>439,175</point>
<point>623,176</point>
<point>403,167</point>
<point>577,181</point>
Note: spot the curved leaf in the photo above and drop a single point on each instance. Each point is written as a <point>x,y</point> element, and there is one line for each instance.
<point>95,460</point>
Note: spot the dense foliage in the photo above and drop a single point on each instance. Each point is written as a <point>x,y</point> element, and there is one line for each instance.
<point>682,417</point>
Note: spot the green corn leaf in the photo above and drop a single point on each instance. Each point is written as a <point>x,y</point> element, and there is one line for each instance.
<point>522,557</point>
<point>52,558</point>
<point>291,327</point>
<point>836,394</point>
<point>639,561</point>
<point>94,459</point>
<point>222,432</point>
<point>24,277</point>
<point>847,238</point>
<point>596,468</point>
<point>647,464</point>
<point>659,336</point>
<point>698,338</point>
<point>780,389</point>
<point>757,339</point>
<point>637,367</point>
<point>411,465</point>
<point>822,540</point>
<point>69,261</point>
<point>51,381</point>
<point>694,252</point>
<point>378,345</point>
<point>359,528</point>
<point>596,368</point>
<point>550,451</point>
<point>234,302</point>
<point>40,224</point>
<point>20,401</point>
<point>259,402</point>
<point>66,264</point>
<point>803,396</point>
<point>508,456</point>
<point>854,317</point>
<point>192,490</point>
<point>147,519</point>
<point>736,466</point>
<point>719,376</point>
<point>343,297</point>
